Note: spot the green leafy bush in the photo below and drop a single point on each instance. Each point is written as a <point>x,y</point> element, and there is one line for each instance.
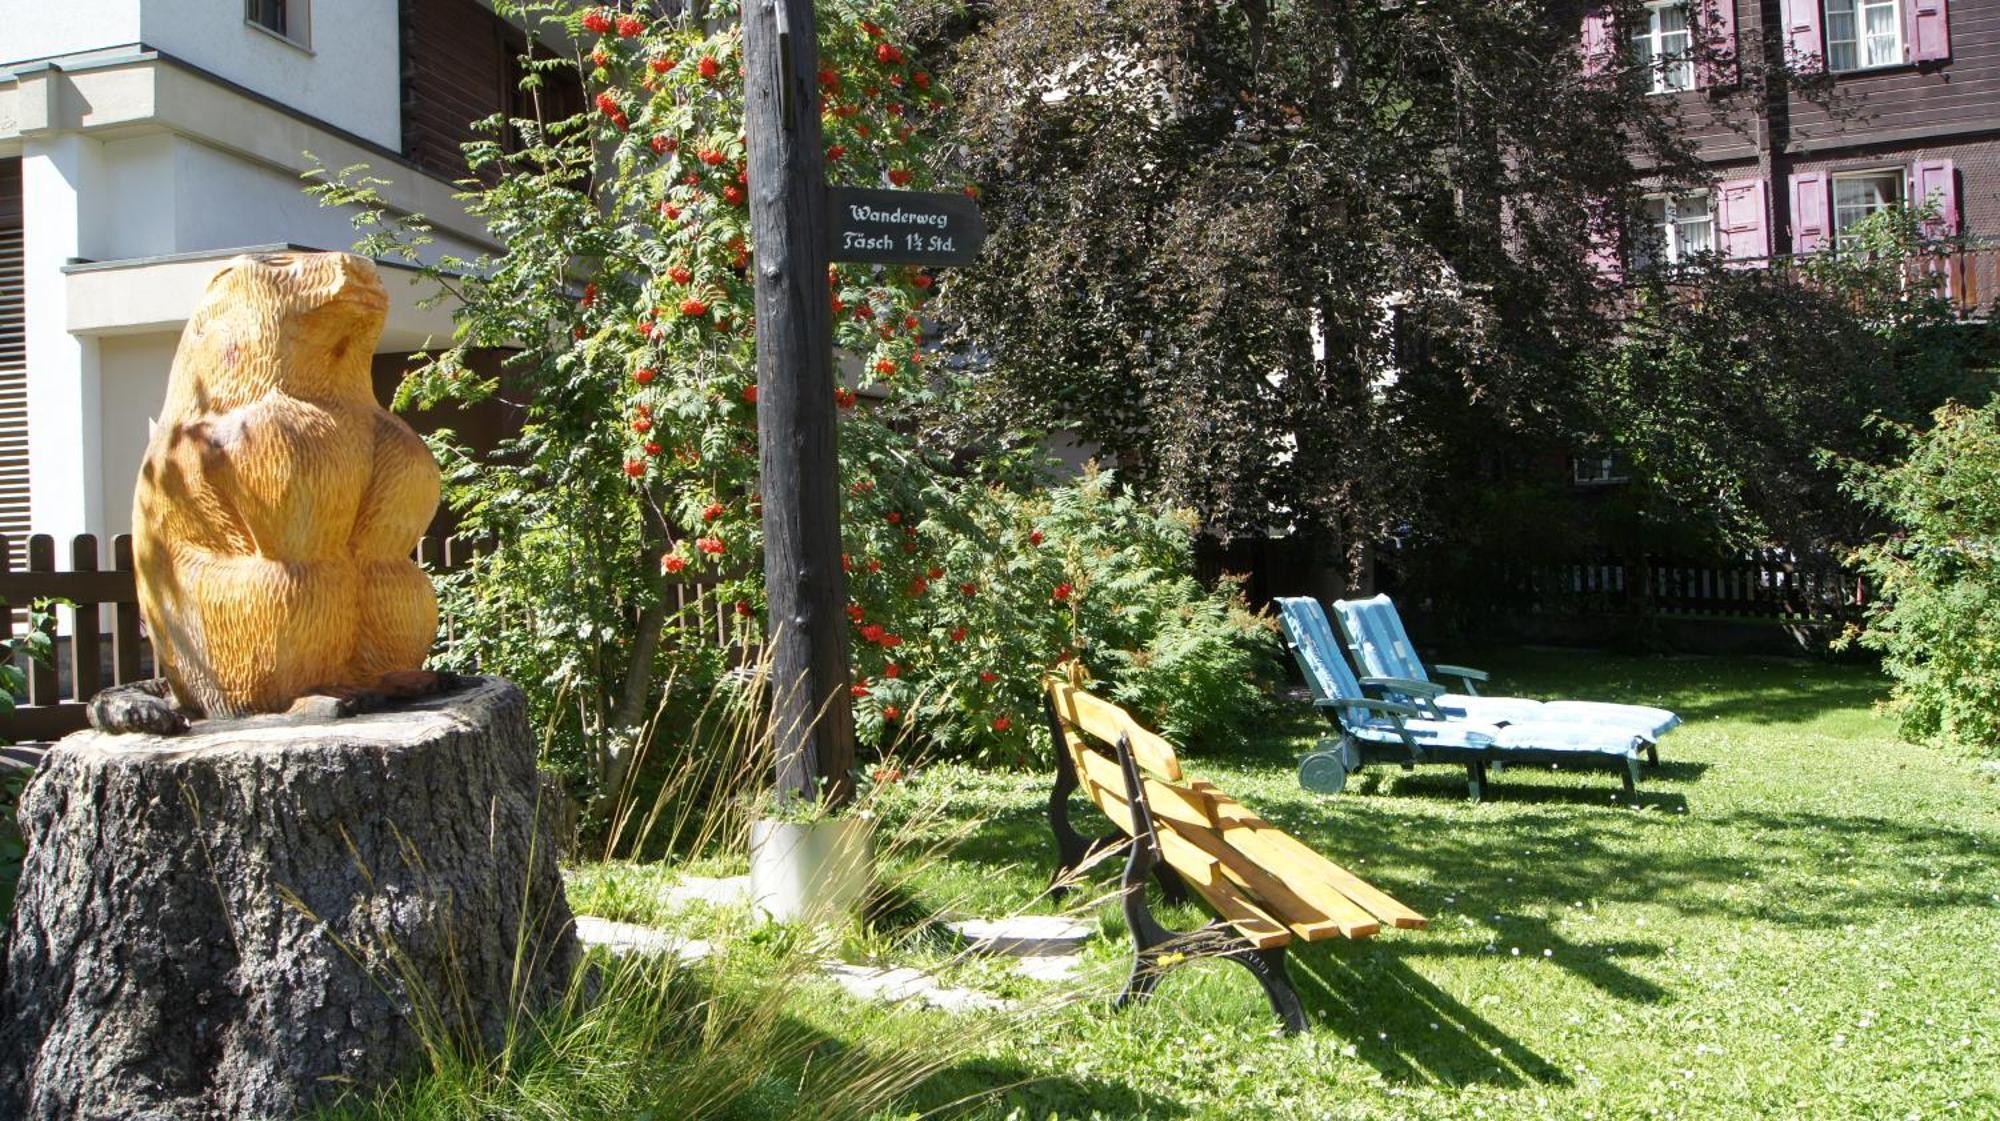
<point>34,646</point>
<point>1937,619</point>
<point>1725,384</point>
<point>1030,579</point>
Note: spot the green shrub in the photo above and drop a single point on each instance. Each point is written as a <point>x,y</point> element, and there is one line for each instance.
<point>1030,579</point>
<point>1937,578</point>
<point>34,646</point>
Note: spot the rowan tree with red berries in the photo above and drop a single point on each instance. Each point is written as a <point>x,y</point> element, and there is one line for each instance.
<point>625,292</point>
<point>625,295</point>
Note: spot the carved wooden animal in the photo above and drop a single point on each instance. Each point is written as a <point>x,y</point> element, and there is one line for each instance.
<point>278,503</point>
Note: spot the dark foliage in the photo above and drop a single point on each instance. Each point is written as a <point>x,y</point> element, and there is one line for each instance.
<point>1274,257</point>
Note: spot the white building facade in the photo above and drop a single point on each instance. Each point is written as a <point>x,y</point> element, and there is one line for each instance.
<point>145,142</point>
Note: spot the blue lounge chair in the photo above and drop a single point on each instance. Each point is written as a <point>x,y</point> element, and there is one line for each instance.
<point>1374,729</point>
<point>1382,648</point>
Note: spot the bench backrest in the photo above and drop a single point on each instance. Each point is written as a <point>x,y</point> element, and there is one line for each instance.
<point>1101,720</point>
<point>1266,883</point>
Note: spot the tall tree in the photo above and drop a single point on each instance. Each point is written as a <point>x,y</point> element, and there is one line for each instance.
<point>1267,254</point>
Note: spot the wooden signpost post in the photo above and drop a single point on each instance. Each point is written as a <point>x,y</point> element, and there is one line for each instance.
<point>796,232</point>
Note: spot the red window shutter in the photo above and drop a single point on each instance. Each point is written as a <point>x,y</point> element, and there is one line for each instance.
<point>1599,46</point>
<point>1740,220</point>
<point>1928,36</point>
<point>1716,25</point>
<point>1804,49</point>
<point>1936,182</point>
<point>1812,212</point>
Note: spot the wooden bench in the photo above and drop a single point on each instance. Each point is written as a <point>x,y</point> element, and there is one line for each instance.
<point>1266,887</point>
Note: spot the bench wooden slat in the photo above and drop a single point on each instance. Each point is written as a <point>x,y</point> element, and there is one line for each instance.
<point>1199,871</point>
<point>1314,913</point>
<point>1106,721</point>
<point>1297,859</point>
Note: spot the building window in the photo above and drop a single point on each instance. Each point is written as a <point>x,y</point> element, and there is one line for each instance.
<point>1594,469</point>
<point>1863,33</point>
<point>1859,194</point>
<point>283,18</point>
<point>1664,44</point>
<point>1674,228</point>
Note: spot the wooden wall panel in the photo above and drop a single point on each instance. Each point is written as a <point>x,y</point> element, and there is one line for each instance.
<point>1901,103</point>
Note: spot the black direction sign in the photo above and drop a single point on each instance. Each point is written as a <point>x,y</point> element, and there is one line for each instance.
<point>902,227</point>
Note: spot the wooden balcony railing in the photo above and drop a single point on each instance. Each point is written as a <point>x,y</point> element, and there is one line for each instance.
<point>1969,275</point>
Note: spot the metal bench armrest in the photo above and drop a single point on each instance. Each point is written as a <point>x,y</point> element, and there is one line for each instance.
<point>1393,709</point>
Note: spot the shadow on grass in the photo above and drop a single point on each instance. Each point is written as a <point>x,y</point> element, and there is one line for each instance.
<point>1795,700</point>
<point>1528,855</point>
<point>1010,1089</point>
<point>1405,1026</point>
<point>1525,849</point>
<point>1518,785</point>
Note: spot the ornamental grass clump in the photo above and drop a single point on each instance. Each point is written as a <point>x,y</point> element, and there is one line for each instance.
<point>725,1015</point>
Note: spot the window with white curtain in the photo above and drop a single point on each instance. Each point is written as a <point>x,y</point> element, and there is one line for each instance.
<point>1674,228</point>
<point>1664,44</point>
<point>1863,33</point>
<point>1858,194</point>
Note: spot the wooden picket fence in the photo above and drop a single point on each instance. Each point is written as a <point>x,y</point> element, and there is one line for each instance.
<point>53,705</point>
<point>89,658</point>
<point>1770,584</point>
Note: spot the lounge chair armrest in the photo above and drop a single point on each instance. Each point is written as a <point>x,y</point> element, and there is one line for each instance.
<point>1409,687</point>
<point>1460,671</point>
<point>1386,708</point>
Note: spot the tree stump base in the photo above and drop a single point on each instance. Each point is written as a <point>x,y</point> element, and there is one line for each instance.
<point>251,919</point>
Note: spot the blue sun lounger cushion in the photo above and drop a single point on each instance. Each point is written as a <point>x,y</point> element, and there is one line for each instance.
<point>1377,729</point>
<point>1382,648</point>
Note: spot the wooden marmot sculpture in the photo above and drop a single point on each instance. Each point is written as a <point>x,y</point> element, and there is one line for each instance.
<point>278,505</point>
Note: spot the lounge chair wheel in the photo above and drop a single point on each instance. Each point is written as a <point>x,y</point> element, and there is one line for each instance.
<point>1323,772</point>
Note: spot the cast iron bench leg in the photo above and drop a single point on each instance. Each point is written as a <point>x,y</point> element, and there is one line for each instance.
<point>1157,949</point>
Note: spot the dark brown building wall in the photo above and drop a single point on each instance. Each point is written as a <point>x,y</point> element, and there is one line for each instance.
<point>454,73</point>
<point>479,427</point>
<point>1891,117</point>
<point>460,65</point>
<point>1718,121</point>
<point>1912,103</point>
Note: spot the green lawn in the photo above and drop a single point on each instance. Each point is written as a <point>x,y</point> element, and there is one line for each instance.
<point>1801,918</point>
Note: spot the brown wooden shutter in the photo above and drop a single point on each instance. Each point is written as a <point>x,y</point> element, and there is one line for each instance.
<point>13,364</point>
<point>455,72</point>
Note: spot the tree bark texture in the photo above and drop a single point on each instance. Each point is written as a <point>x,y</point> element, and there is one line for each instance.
<point>797,440</point>
<point>248,920</point>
